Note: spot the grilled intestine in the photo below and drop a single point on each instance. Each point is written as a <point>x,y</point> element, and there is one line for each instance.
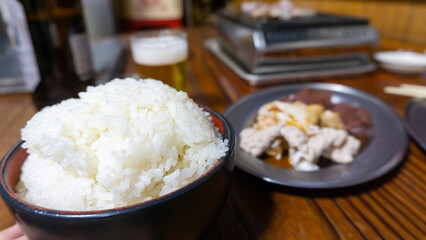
<point>304,132</point>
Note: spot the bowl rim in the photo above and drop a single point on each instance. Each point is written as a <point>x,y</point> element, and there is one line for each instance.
<point>10,198</point>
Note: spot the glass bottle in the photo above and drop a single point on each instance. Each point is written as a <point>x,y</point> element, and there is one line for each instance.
<point>62,49</point>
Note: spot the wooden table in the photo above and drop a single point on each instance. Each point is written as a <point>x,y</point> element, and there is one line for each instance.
<point>391,207</point>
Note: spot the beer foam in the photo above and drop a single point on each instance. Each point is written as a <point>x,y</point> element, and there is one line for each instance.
<point>157,51</point>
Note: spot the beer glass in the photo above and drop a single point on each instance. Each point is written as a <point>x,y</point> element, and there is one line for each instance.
<point>161,55</point>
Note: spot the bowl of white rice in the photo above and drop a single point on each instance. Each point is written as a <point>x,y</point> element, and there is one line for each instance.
<point>130,159</point>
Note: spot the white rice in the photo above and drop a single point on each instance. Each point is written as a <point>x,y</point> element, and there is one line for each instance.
<point>118,144</point>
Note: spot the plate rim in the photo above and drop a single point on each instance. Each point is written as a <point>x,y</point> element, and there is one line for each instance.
<point>409,124</point>
<point>396,158</point>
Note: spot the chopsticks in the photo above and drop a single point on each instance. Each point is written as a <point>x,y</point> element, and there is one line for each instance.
<point>409,90</point>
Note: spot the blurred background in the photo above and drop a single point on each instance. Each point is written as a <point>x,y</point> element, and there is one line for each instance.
<point>402,20</point>
<point>399,21</point>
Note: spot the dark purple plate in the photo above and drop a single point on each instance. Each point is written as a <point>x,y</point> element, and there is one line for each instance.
<point>384,150</point>
<point>415,116</point>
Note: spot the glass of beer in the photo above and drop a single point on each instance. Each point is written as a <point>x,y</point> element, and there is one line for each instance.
<point>161,55</point>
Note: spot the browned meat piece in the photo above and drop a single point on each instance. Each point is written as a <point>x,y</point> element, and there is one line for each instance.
<point>314,112</point>
<point>331,119</point>
<point>309,96</point>
<point>357,121</point>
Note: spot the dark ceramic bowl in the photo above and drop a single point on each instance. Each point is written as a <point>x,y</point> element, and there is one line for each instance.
<point>186,213</point>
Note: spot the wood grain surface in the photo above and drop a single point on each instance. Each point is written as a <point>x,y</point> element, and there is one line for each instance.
<point>391,207</point>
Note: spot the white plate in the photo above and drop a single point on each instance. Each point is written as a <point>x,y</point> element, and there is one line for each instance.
<point>402,61</point>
